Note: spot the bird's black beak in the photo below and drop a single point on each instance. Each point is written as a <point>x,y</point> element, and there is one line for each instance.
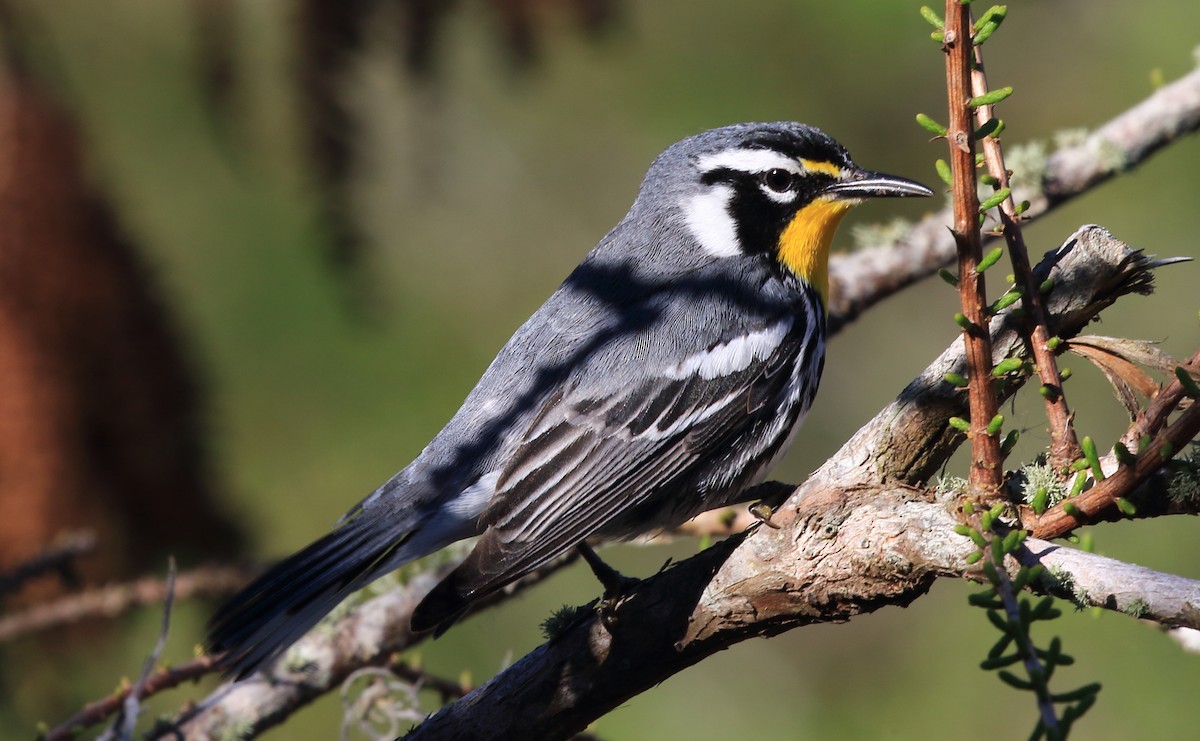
<point>867,184</point>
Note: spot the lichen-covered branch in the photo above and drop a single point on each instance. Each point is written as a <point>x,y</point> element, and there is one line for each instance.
<point>1091,580</point>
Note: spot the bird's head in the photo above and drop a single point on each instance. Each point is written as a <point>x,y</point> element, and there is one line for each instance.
<point>773,190</point>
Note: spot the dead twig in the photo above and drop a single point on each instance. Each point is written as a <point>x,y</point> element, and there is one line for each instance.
<point>106,602</point>
<point>123,725</point>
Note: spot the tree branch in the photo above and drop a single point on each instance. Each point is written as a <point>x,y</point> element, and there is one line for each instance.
<point>322,660</point>
<point>113,600</point>
<point>1097,581</point>
<point>854,537</point>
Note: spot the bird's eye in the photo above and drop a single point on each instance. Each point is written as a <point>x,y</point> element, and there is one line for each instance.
<point>778,180</point>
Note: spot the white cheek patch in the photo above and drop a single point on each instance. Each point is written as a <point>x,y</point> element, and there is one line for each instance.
<point>733,356</point>
<point>748,160</point>
<point>708,219</point>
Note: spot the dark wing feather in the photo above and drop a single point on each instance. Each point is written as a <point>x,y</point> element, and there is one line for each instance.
<point>585,462</point>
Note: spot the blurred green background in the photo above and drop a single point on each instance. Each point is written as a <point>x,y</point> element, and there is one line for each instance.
<point>479,189</point>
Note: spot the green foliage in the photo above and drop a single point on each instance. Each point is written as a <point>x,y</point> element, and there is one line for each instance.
<point>930,125</point>
<point>1184,485</point>
<point>1092,456</point>
<point>1014,617</point>
<point>1040,486</point>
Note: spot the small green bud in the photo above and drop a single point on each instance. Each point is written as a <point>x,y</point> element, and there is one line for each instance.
<point>934,19</point>
<point>988,128</point>
<point>992,97</point>
<point>1072,510</point>
<point>961,320</point>
<point>1012,541</point>
<point>1093,457</point>
<point>995,425</point>
<point>1021,208</point>
<point>995,200</point>
<point>1124,457</point>
<point>1006,366</point>
<point>1053,343</point>
<point>1166,451</point>
<point>973,557</point>
<point>947,276</point>
<point>1079,482</point>
<point>960,424</point>
<point>1064,374</point>
<point>943,171</point>
<point>989,569</point>
<point>1143,443</point>
<point>1009,442</point>
<point>1127,507</point>
<point>1005,301</point>
<point>1046,286</point>
<point>990,259</point>
<point>999,662</point>
<point>930,125</point>
<point>1187,382</point>
<point>1041,499</point>
<point>984,31</point>
<point>1014,681</point>
<point>957,380</point>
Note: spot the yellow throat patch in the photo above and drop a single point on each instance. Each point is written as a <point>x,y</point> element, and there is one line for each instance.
<point>804,244</point>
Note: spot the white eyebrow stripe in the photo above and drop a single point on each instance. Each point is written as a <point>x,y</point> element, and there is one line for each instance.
<point>748,160</point>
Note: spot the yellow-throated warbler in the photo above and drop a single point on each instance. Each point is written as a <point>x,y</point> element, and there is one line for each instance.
<point>665,376</point>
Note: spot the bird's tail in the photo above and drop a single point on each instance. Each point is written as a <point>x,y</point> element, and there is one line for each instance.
<point>274,611</point>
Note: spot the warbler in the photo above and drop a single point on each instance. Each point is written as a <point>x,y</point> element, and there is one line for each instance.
<point>665,376</point>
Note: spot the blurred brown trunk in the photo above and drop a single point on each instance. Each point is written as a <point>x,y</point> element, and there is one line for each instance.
<point>98,411</point>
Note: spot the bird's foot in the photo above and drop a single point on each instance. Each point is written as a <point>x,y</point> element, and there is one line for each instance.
<point>616,586</point>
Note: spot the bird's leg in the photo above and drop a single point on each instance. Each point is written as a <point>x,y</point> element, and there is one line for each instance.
<point>615,583</point>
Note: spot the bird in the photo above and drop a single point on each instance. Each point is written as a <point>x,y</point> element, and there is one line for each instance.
<point>665,376</point>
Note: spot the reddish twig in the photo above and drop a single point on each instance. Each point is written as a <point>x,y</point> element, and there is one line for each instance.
<point>1094,504</point>
<point>1064,445</point>
<point>987,468</point>
<point>162,679</point>
<point>1151,419</point>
